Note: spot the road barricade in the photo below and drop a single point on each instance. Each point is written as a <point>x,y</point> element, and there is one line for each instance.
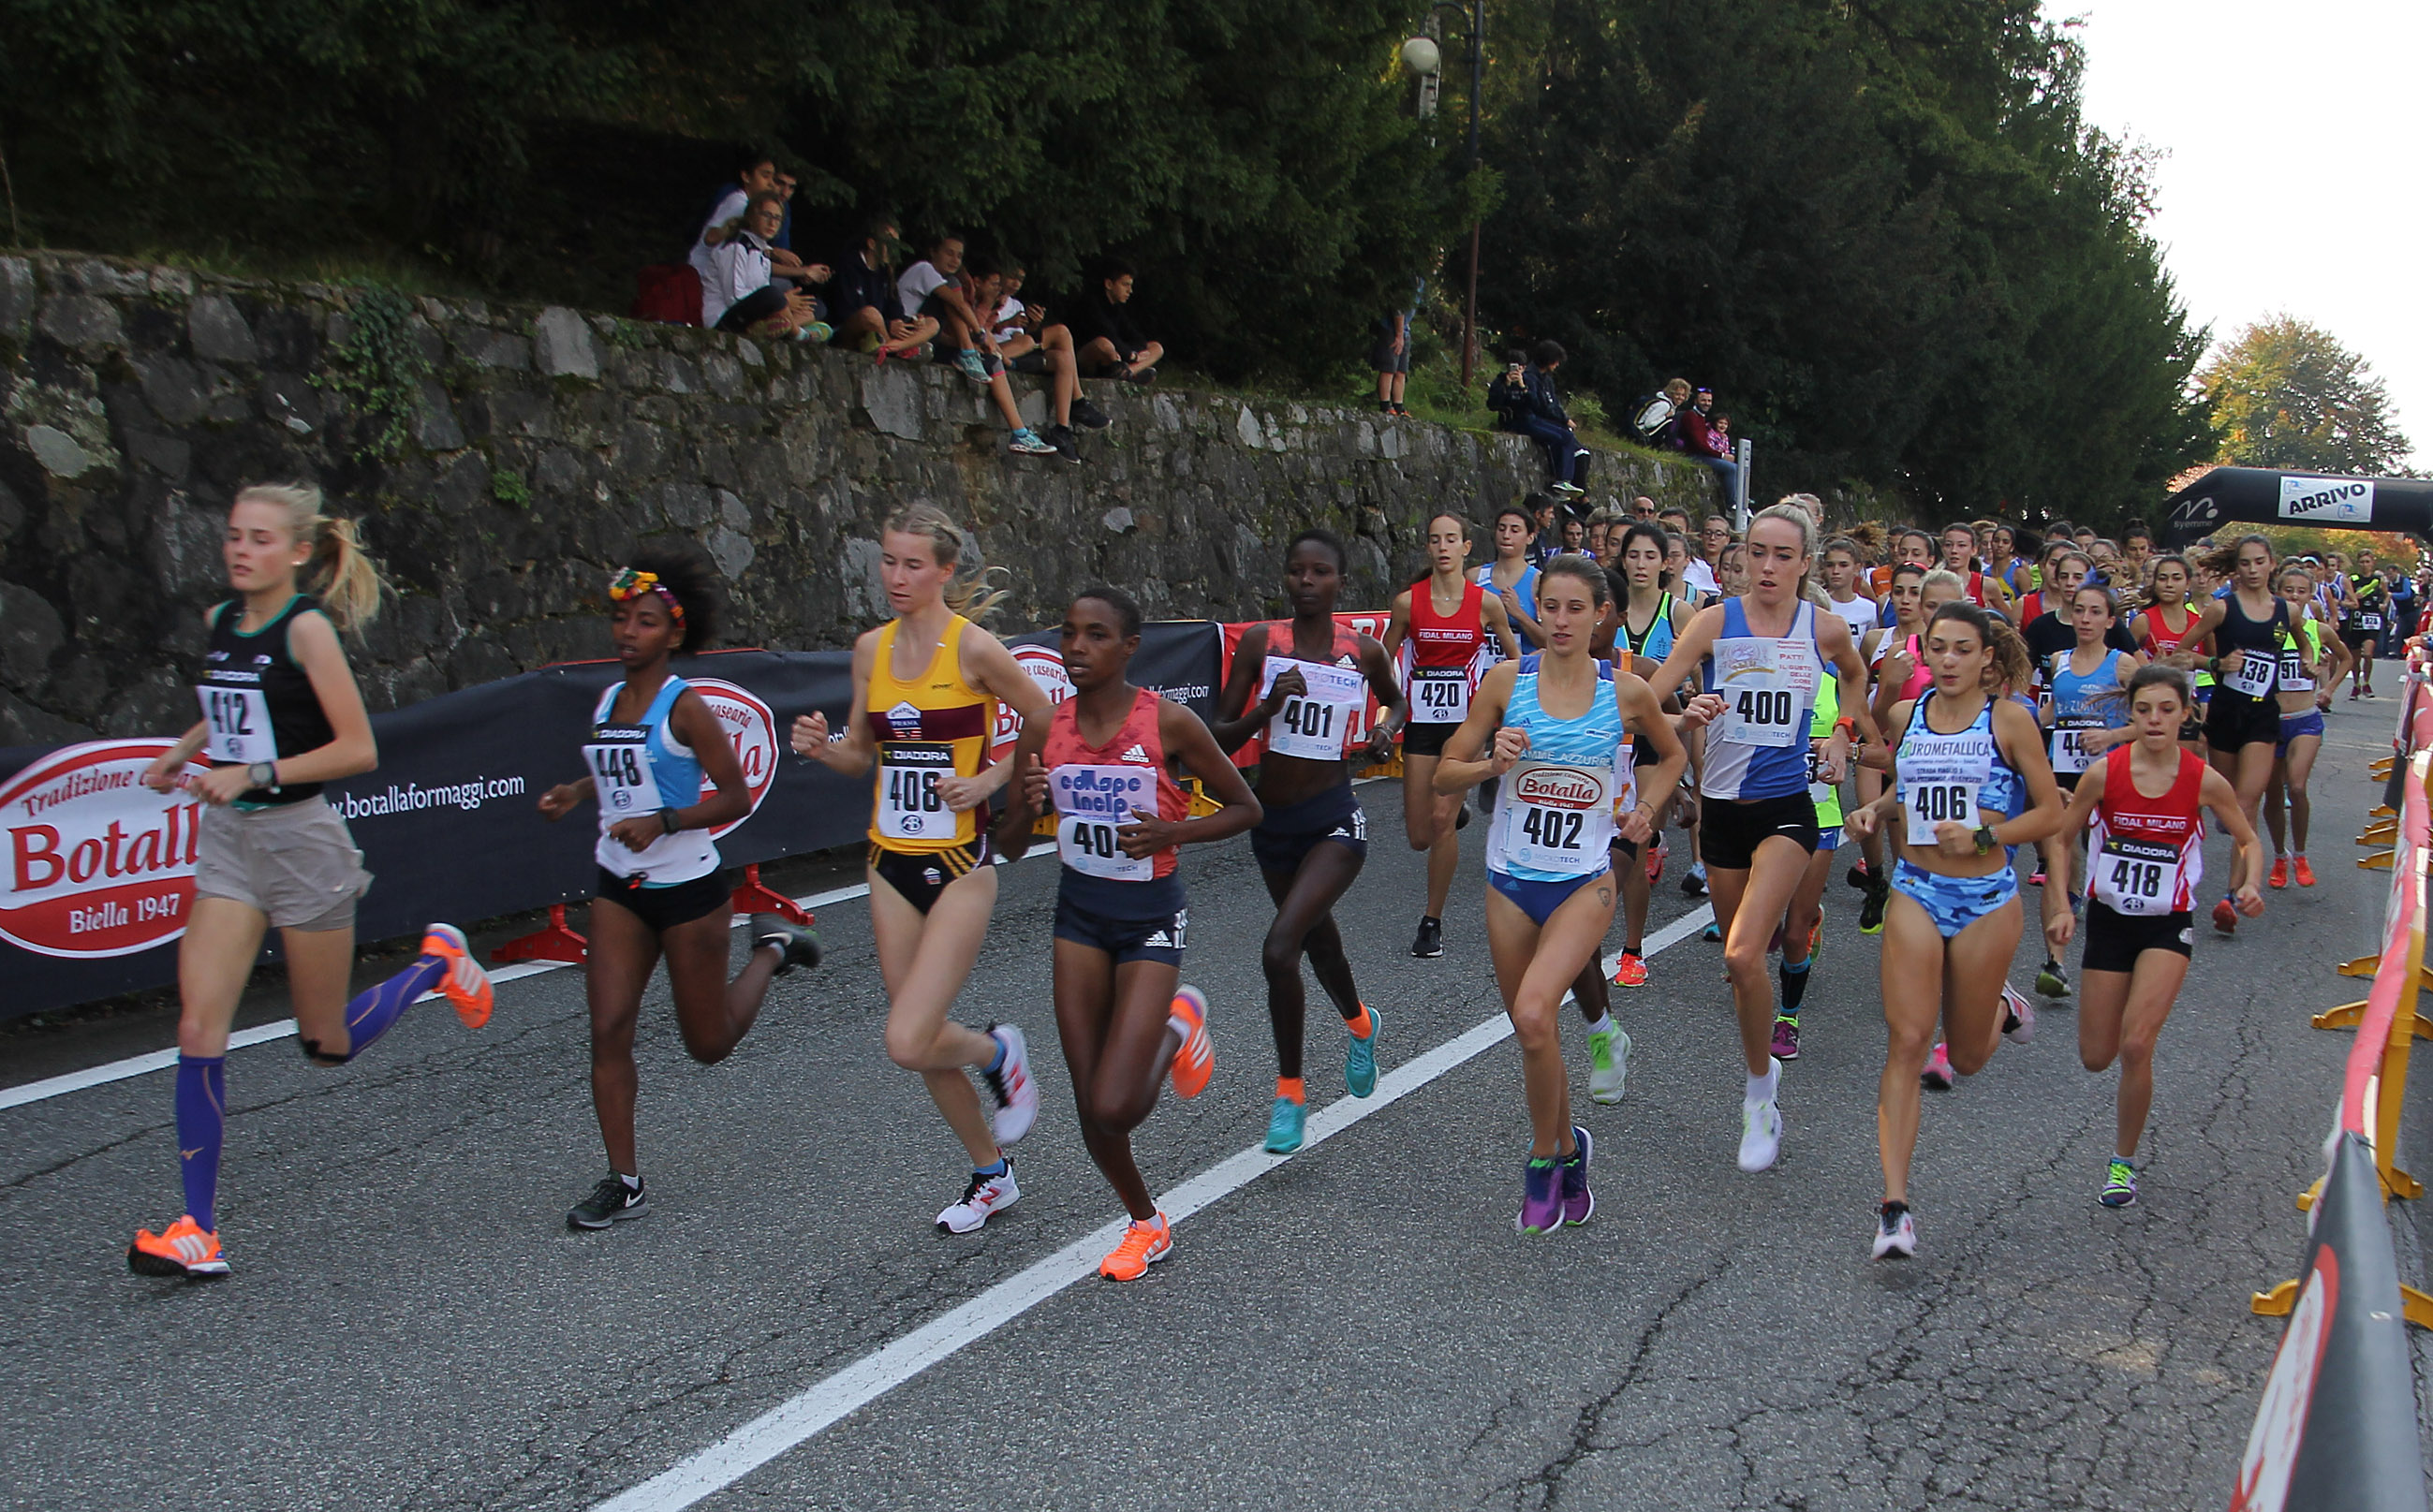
<point>2337,1426</point>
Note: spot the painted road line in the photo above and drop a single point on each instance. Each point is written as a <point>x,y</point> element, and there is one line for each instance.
<point>873,1375</point>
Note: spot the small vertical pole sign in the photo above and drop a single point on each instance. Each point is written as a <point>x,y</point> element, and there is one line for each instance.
<point>1740,491</point>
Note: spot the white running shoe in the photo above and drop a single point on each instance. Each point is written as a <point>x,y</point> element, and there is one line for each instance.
<point>1896,1236</point>
<point>2023,1011</point>
<point>1017,1095</point>
<point>1608,1064</point>
<point>1760,1131</point>
<point>984,1198</point>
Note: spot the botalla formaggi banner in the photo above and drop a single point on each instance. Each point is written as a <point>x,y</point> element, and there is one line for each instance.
<point>100,869</point>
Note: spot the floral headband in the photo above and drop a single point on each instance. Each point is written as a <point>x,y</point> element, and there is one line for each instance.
<point>628,583</point>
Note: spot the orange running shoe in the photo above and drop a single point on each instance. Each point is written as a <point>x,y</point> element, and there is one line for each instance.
<point>466,985</point>
<point>1630,971</point>
<point>1197,1057</point>
<point>1144,1245</point>
<point>2280,877</point>
<point>182,1249</point>
<point>2304,874</point>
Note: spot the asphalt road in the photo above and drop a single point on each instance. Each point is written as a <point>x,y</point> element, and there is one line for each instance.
<point>411,1325</point>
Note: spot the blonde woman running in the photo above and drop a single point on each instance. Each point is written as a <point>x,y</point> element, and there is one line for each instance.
<point>926,687</point>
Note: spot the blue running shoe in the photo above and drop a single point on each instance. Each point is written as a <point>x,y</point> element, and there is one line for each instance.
<point>1360,1058</point>
<point>1541,1197</point>
<point>1283,1125</point>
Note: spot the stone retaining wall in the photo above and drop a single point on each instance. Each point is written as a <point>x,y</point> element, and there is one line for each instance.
<point>134,400</point>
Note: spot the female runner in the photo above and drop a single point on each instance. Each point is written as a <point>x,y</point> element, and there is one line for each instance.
<point>926,687</point>
<point>659,892</point>
<point>2147,860</point>
<point>281,716</point>
<point>2312,664</point>
<point>1896,659</point>
<point>1562,734</point>
<point>1446,622</point>
<point>2166,629</point>
<point>1312,675</point>
<point>1648,620</point>
<point>1511,576</point>
<point>2082,690</point>
<point>1764,655</point>
<point>1955,916</point>
<point>1103,765</point>
<point>2243,726</point>
<point>1803,922</point>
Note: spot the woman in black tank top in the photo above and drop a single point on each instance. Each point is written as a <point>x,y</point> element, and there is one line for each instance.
<point>2244,722</point>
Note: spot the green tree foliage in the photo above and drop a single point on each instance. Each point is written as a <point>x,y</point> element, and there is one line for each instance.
<point>1880,232</point>
<point>2287,394</point>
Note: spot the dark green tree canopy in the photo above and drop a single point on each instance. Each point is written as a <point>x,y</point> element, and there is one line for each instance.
<point>2287,394</point>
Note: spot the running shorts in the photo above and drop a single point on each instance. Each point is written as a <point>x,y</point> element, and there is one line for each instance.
<point>1123,940</point>
<point>661,908</point>
<point>2115,940</point>
<point>1730,829</point>
<point>294,864</point>
<point>1954,903</point>
<point>1284,839</point>
<point>1427,739</point>
<point>919,876</point>
<point>2235,720</point>
<point>2294,725</point>
<point>1540,900</point>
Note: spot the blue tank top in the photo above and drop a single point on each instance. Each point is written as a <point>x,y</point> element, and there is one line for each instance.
<point>1927,754</point>
<point>639,769</point>
<point>1758,748</point>
<point>1588,744</point>
<point>2073,695</point>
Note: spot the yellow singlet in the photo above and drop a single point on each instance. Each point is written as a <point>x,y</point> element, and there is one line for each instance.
<point>934,725</point>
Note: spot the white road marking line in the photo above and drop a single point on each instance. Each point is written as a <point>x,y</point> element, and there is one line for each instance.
<point>873,1375</point>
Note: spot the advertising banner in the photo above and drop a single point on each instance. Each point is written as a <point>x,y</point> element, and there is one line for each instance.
<point>100,870</point>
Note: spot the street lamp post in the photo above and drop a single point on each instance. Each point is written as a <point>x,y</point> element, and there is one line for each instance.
<point>1419,55</point>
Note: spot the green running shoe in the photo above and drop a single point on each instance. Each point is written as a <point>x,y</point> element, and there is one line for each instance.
<point>1871,910</point>
<point>1283,1125</point>
<point>2120,1187</point>
<point>2049,981</point>
<point>1359,1059</point>
<point>1608,1064</point>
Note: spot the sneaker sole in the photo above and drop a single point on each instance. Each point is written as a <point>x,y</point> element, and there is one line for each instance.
<point>162,1266</point>
<point>2129,1202</point>
<point>1166,1253</point>
<point>1894,1251</point>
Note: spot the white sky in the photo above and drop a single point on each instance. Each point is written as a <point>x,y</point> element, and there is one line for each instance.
<point>2297,142</point>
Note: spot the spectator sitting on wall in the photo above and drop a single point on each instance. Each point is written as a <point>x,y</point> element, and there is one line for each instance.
<point>970,290</point>
<point>1104,337</point>
<point>1528,404</point>
<point>1694,433</point>
<point>741,292</point>
<point>1047,354</point>
<point>936,287</point>
<point>756,174</point>
<point>862,303</point>
<point>1392,356</point>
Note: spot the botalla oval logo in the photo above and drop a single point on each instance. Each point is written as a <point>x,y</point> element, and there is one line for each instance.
<point>1558,788</point>
<point>752,728</point>
<point>1046,668</point>
<point>98,863</point>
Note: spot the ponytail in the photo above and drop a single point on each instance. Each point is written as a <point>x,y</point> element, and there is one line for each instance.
<point>339,574</point>
<point>969,593</point>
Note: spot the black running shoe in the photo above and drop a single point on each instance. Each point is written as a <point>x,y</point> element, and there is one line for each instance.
<point>1068,446</point>
<point>1430,943</point>
<point>1462,817</point>
<point>1857,877</point>
<point>796,944</point>
<point>1871,910</point>
<point>1087,415</point>
<point>611,1201</point>
<point>1693,884</point>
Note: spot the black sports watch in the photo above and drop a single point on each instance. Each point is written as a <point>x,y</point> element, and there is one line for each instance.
<point>1986,839</point>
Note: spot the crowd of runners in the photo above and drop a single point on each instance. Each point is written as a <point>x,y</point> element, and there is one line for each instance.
<point>1974,722</point>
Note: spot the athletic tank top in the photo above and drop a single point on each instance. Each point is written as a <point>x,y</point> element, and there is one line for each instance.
<point>1919,677</point>
<point>1442,659</point>
<point>933,725</point>
<point>1960,777</point>
<point>1318,725</point>
<point>1525,588</point>
<point>259,704</point>
<point>1827,796</point>
<point>2259,639</point>
<point>2145,855</point>
<point>639,769</point>
<point>2166,640</point>
<point>1094,789</point>
<point>1656,641</point>
<point>1553,810</point>
<point>2074,707</point>
<point>1758,748</point>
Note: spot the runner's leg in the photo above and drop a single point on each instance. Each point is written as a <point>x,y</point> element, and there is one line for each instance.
<point>1533,965</point>
<point>714,1014</point>
<point>624,952</point>
<point>1748,905</point>
<point>1913,992</point>
<point>924,961</point>
<point>2297,769</point>
<point>1305,925</point>
<point>1117,1044</point>
<point>1975,963</point>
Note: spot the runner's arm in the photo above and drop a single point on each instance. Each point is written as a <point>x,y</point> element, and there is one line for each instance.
<point>1833,640</point>
<point>1691,645</point>
<point>699,728</point>
<point>1382,686</point>
<point>1465,762</point>
<point>992,669</point>
<point>1398,624</point>
<point>1235,730</point>
<point>312,644</point>
<point>1648,722</point>
<point>2022,742</point>
<point>1027,795</point>
<point>1189,742</point>
<point>849,751</point>
<point>2247,880</point>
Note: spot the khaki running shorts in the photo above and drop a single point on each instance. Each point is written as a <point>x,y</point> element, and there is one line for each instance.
<point>292,862</point>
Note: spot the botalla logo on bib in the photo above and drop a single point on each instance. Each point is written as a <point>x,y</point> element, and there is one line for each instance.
<point>1558,788</point>
<point>751,729</point>
<point>99,864</point>
<point>2346,501</point>
<point>1046,668</point>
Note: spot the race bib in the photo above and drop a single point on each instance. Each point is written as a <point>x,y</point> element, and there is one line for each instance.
<point>1093,805</point>
<point>2293,671</point>
<point>2369,622</point>
<point>909,807</point>
<point>1762,709</point>
<point>1931,802</point>
<point>1439,695</point>
<point>2254,674</point>
<point>621,772</point>
<point>1314,725</point>
<point>2136,876</point>
<point>1555,817</point>
<point>2069,753</point>
<point>240,724</point>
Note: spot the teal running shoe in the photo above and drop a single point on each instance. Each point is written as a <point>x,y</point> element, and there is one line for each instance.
<point>1360,1058</point>
<point>2120,1187</point>
<point>1283,1125</point>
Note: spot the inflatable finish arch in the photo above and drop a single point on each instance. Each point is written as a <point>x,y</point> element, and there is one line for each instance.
<point>2228,496</point>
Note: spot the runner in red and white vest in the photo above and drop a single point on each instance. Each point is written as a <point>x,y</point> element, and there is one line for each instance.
<point>1444,633</point>
<point>1103,766</point>
<point>2145,860</point>
<point>1959,556</point>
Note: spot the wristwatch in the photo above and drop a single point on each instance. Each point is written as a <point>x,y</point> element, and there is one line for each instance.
<point>263,774</point>
<point>1985,840</point>
<point>666,820</point>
